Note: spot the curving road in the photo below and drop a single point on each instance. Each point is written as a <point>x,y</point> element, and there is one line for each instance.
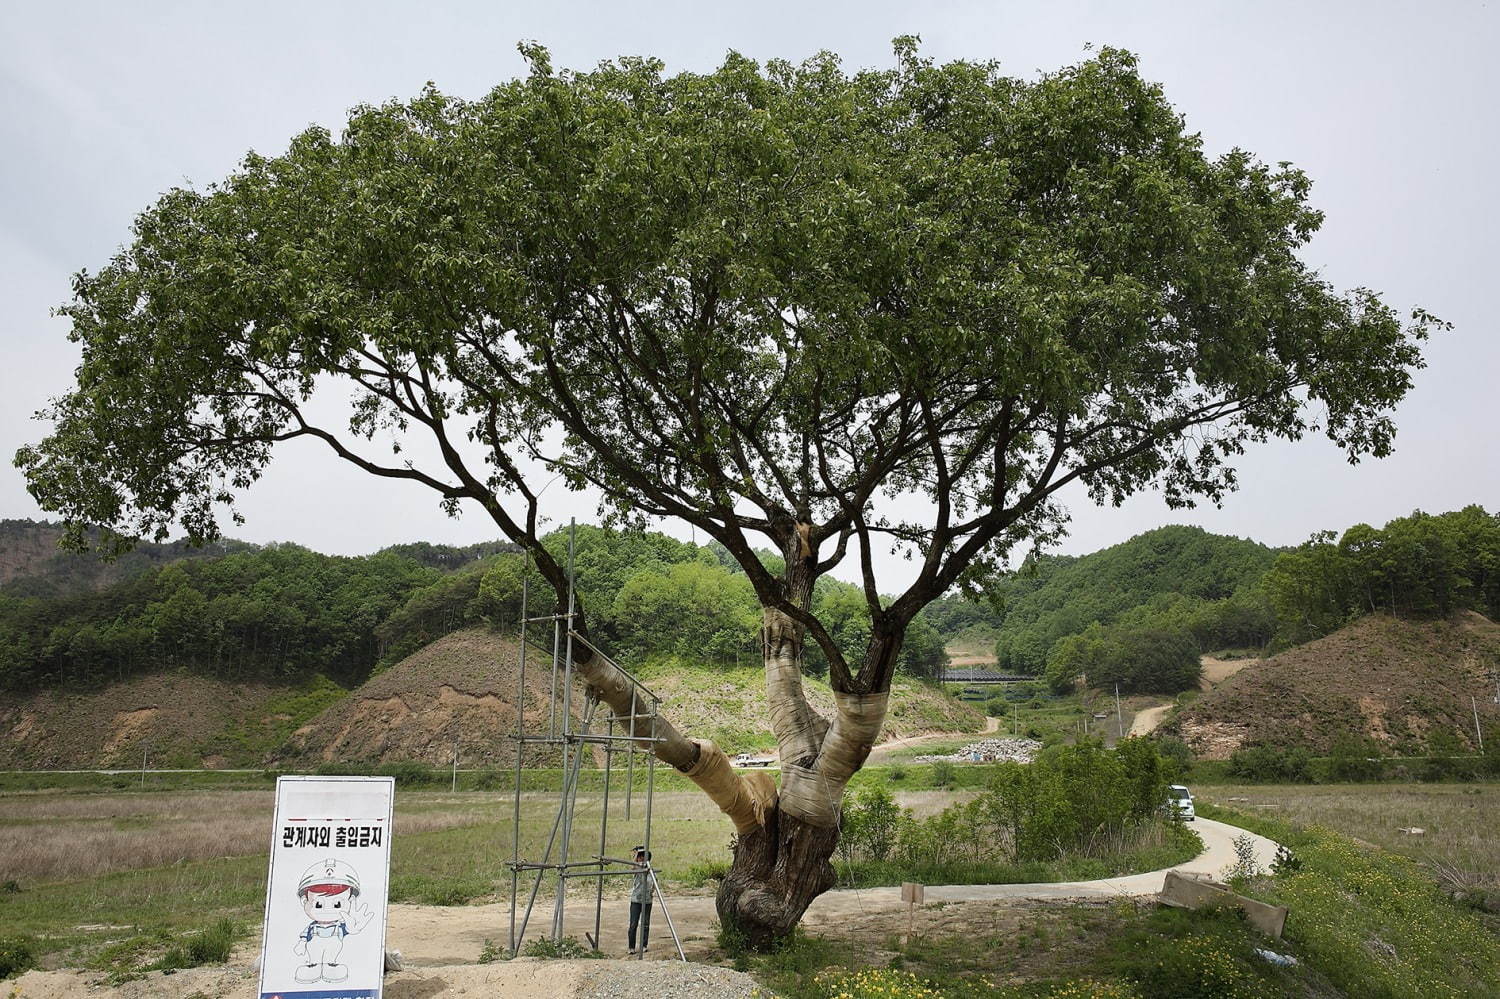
<point>1218,853</point>
<point>434,935</point>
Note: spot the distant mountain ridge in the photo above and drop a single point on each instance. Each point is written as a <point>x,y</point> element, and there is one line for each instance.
<point>32,565</point>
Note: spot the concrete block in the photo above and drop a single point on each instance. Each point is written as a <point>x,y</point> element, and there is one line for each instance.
<point>1186,892</point>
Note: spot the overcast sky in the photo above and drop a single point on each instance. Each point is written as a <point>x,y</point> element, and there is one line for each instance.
<point>1391,108</point>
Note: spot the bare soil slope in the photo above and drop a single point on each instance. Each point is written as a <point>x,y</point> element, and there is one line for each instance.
<point>1395,681</point>
<point>463,687</point>
<point>176,717</point>
<point>729,706</point>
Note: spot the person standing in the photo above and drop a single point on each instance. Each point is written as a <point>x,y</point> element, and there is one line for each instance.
<point>640,901</point>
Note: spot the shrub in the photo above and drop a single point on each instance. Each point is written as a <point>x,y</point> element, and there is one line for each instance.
<point>1354,759</point>
<point>1245,867</point>
<point>210,946</point>
<point>942,774</point>
<point>16,956</point>
<point>870,823</point>
<point>566,949</point>
<point>1272,764</point>
<point>410,773</point>
<point>1176,756</point>
<point>1490,766</point>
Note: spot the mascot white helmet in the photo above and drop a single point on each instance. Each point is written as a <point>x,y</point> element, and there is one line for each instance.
<point>329,872</point>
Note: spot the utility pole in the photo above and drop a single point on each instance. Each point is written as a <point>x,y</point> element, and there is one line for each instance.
<point>1477,733</point>
<point>143,767</point>
<point>455,766</point>
<point>1119,718</point>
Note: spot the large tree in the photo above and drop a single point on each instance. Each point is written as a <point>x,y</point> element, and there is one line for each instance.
<point>834,311</point>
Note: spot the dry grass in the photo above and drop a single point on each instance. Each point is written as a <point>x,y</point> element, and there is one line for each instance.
<point>57,837</point>
<point>928,803</point>
<point>1458,819</point>
<point>1397,681</point>
<point>54,837</point>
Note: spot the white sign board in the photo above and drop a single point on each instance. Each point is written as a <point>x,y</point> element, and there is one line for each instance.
<point>326,893</point>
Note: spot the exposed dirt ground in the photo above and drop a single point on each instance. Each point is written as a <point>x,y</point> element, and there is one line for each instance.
<point>1388,679</point>
<point>1216,671</point>
<point>169,713</point>
<point>460,687</point>
<point>1145,721</point>
<point>525,978</point>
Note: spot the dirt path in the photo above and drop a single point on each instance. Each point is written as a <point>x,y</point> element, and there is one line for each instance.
<point>1147,719</point>
<point>1216,671</point>
<point>525,978</point>
<point>991,725</point>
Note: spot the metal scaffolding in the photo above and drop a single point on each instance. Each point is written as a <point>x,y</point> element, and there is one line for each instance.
<point>573,737</point>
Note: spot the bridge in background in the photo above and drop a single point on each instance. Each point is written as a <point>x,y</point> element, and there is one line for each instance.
<point>967,675</point>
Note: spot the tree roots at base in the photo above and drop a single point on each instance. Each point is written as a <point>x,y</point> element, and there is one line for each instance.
<point>778,869</point>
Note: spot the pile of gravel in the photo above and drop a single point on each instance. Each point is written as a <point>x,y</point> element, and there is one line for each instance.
<point>664,980</point>
<point>990,750</point>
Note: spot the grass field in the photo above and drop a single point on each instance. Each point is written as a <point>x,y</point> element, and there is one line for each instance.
<point>1364,921</point>
<point>89,877</point>
<point>111,879</point>
<point>1459,837</point>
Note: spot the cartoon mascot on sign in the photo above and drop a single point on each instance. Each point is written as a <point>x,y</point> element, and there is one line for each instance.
<point>328,892</point>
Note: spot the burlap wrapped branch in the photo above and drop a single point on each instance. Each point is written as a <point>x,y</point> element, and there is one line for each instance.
<point>812,794</point>
<point>744,798</point>
<point>799,729</point>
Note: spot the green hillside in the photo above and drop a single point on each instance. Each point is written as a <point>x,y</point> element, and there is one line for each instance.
<point>1175,577</point>
<point>284,613</point>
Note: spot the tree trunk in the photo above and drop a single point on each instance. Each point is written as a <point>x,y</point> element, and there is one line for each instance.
<point>784,862</point>
<point>786,835</point>
<point>779,868</point>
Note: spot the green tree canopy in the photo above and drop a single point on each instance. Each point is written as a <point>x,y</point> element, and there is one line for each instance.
<point>765,301</point>
<point>749,296</point>
<point>1421,565</point>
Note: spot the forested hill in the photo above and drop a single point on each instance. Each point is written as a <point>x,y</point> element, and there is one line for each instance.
<point>1143,612</point>
<point>1052,597</point>
<point>282,612</point>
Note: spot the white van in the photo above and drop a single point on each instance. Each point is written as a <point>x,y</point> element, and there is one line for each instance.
<point>1180,799</point>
